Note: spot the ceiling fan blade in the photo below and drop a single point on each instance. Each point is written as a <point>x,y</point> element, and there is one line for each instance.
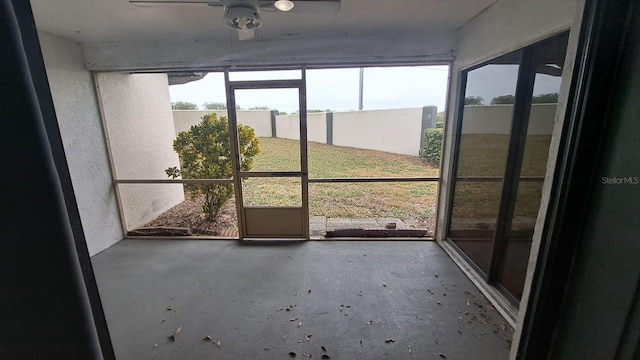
<point>153,3</point>
<point>312,7</point>
<point>246,35</point>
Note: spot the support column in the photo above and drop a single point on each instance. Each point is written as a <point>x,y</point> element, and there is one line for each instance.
<point>329,117</point>
<point>274,113</point>
<point>429,118</point>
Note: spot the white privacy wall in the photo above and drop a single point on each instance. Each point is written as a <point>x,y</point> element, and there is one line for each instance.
<point>259,120</point>
<point>396,131</point>
<point>288,127</point>
<point>317,127</point>
<point>496,119</point>
<point>139,120</point>
<point>78,117</point>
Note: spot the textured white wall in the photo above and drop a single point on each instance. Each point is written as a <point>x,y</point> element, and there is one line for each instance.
<point>287,127</point>
<point>496,119</point>
<point>76,108</point>
<point>259,120</point>
<point>396,131</point>
<point>137,112</point>
<point>317,127</point>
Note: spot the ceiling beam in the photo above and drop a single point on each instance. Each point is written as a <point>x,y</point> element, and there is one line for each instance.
<point>325,49</point>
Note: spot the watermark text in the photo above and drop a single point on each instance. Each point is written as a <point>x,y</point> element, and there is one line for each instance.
<point>614,180</point>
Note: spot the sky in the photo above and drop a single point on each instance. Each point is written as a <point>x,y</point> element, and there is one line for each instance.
<point>496,80</point>
<point>335,89</point>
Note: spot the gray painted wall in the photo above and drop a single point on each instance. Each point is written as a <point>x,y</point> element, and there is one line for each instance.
<point>76,107</point>
<point>606,274</point>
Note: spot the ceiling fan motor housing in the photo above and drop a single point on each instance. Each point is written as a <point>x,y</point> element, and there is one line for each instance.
<point>242,14</point>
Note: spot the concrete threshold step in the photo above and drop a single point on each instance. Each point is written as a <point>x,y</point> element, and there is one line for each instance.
<point>376,233</point>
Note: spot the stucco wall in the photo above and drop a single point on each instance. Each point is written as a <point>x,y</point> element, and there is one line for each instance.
<point>393,130</point>
<point>137,113</point>
<point>396,131</point>
<point>288,127</point>
<point>259,120</point>
<point>81,130</point>
<point>317,127</point>
<point>496,119</point>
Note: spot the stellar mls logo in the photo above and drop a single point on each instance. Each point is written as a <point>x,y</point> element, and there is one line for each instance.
<point>630,180</point>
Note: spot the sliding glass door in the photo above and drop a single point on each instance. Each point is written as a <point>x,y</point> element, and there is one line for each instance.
<point>503,138</point>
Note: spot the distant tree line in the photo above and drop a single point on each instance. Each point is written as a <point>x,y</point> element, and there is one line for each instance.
<point>550,98</point>
<point>210,105</point>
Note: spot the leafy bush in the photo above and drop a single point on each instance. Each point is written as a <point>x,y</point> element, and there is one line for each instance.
<point>205,153</point>
<point>440,120</point>
<point>432,148</point>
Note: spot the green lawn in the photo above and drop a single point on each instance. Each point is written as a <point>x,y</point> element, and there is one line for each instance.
<point>414,202</point>
<point>485,156</point>
<point>480,156</point>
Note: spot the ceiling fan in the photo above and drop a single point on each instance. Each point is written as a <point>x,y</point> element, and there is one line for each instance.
<point>243,15</point>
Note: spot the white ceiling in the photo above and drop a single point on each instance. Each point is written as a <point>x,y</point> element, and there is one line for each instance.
<point>118,36</point>
<point>87,21</point>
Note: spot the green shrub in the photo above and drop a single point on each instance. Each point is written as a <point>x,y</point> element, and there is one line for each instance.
<point>205,153</point>
<point>440,120</point>
<point>432,148</point>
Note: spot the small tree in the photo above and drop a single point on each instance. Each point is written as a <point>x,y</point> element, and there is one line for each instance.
<point>474,100</point>
<point>217,106</point>
<point>551,98</point>
<point>205,153</point>
<point>183,105</point>
<point>503,100</point>
<point>214,106</point>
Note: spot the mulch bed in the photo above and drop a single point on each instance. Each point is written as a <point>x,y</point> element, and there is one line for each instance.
<point>188,214</point>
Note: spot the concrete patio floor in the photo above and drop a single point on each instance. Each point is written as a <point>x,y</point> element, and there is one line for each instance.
<point>356,300</point>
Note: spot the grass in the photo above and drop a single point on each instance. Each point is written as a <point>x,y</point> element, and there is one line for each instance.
<point>480,156</point>
<point>485,156</point>
<point>413,202</point>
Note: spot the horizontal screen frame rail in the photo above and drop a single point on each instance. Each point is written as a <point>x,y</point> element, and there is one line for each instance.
<point>372,179</point>
<point>498,178</point>
<point>173,181</point>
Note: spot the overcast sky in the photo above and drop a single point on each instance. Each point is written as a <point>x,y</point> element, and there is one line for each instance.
<point>496,80</point>
<point>335,89</point>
